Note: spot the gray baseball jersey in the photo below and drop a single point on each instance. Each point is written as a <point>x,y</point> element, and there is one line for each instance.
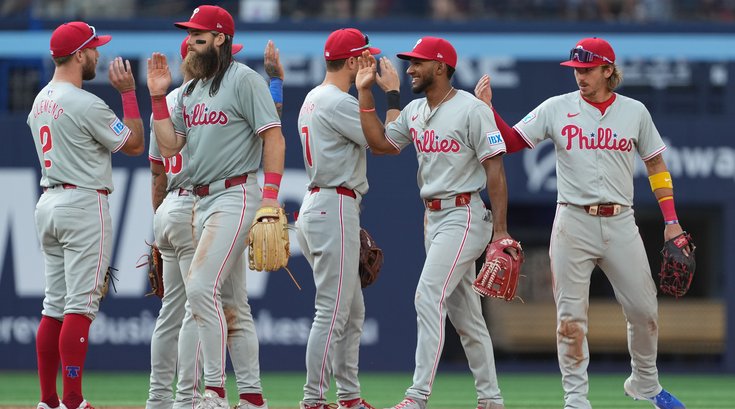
<point>222,131</point>
<point>595,156</point>
<point>595,153</point>
<point>451,143</point>
<point>75,132</point>
<point>328,231</point>
<point>173,166</point>
<point>332,139</point>
<point>459,134</point>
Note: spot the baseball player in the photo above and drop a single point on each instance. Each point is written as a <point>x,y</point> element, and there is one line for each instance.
<point>329,219</point>
<point>175,333</point>
<point>597,135</point>
<point>75,132</point>
<point>459,152</point>
<point>227,119</point>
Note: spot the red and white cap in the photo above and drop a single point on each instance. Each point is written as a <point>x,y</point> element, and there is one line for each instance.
<point>346,43</point>
<point>590,52</point>
<point>236,48</point>
<point>432,49</point>
<point>210,18</point>
<point>69,38</point>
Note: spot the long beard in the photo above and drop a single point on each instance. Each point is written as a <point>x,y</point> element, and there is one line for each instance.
<point>202,65</point>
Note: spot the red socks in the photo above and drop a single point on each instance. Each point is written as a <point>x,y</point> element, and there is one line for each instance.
<point>47,353</point>
<point>73,345</point>
<point>220,391</point>
<point>254,398</point>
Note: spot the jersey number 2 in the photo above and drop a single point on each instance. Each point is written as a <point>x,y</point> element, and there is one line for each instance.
<point>44,134</point>
<point>173,164</point>
<point>307,148</point>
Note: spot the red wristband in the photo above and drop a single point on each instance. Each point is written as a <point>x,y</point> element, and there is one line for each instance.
<point>666,204</point>
<point>270,193</point>
<point>160,109</point>
<point>271,185</point>
<point>130,105</point>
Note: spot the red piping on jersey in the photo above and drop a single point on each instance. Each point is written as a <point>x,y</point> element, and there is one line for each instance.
<point>442,318</point>
<point>337,301</point>
<point>601,106</point>
<point>513,139</point>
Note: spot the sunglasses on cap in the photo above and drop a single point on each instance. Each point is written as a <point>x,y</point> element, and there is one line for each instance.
<point>364,47</point>
<point>582,55</point>
<point>94,35</point>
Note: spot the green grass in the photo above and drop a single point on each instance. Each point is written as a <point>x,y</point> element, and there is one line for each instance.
<point>451,390</point>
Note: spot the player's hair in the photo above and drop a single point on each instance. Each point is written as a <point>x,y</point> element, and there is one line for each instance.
<point>336,65</point>
<point>615,79</point>
<point>450,72</point>
<point>59,61</point>
<point>225,59</point>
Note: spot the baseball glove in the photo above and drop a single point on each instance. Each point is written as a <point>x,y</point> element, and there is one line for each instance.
<point>371,259</point>
<point>677,268</point>
<point>269,243</point>
<point>154,263</point>
<point>109,280</point>
<point>499,274</point>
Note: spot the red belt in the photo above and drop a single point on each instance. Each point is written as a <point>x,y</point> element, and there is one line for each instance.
<point>604,210</point>
<point>203,190</point>
<point>70,186</point>
<point>340,190</point>
<point>459,200</point>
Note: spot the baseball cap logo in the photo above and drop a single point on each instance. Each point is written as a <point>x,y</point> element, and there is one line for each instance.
<point>417,43</point>
<point>196,10</point>
<point>439,55</point>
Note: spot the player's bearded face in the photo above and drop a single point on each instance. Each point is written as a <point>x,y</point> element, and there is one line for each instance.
<point>591,82</point>
<point>89,68</point>
<point>420,83</point>
<point>202,64</point>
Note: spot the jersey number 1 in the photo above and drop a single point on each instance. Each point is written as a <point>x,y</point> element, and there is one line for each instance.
<point>44,135</point>
<point>307,148</point>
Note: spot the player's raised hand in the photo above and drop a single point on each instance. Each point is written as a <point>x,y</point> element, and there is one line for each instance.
<point>121,75</point>
<point>388,78</point>
<point>483,91</point>
<point>367,71</point>
<point>272,61</point>
<point>159,76</point>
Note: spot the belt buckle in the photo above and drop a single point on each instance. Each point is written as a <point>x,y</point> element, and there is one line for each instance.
<point>434,204</point>
<point>593,210</point>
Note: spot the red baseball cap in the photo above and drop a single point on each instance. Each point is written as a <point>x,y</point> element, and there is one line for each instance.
<point>69,38</point>
<point>210,18</point>
<point>432,49</point>
<point>590,52</point>
<point>236,48</point>
<point>345,43</point>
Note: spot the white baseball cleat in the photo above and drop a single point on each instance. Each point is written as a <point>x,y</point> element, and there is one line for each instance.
<point>409,403</point>
<point>490,405</point>
<point>243,404</point>
<point>211,400</point>
<point>664,400</point>
<point>42,405</point>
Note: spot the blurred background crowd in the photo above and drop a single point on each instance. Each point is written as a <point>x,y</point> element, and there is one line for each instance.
<point>636,11</point>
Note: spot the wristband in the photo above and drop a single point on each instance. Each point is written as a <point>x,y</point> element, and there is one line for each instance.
<point>270,193</point>
<point>394,99</point>
<point>130,105</point>
<point>271,184</point>
<point>160,109</point>
<point>666,204</point>
<point>367,110</point>
<point>276,87</point>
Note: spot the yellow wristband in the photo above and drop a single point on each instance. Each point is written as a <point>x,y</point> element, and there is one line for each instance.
<point>665,198</point>
<point>661,180</point>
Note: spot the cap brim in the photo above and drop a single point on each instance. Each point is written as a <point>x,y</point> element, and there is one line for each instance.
<point>409,55</point>
<point>99,41</point>
<point>236,48</point>
<point>188,24</point>
<point>579,64</point>
<point>355,53</point>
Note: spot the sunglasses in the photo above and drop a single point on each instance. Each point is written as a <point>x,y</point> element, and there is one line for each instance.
<point>366,46</point>
<point>94,35</point>
<point>582,55</point>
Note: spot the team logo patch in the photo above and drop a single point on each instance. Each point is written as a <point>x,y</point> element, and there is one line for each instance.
<point>530,117</point>
<point>494,138</point>
<point>117,126</point>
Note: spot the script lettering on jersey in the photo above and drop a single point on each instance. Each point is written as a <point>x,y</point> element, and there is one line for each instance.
<point>201,115</point>
<point>604,139</point>
<point>430,142</point>
<point>48,106</point>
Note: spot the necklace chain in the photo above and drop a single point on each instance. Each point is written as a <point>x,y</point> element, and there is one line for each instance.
<point>436,108</point>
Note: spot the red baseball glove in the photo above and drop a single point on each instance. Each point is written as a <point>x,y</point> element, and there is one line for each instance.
<point>500,272</point>
<point>677,266</point>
